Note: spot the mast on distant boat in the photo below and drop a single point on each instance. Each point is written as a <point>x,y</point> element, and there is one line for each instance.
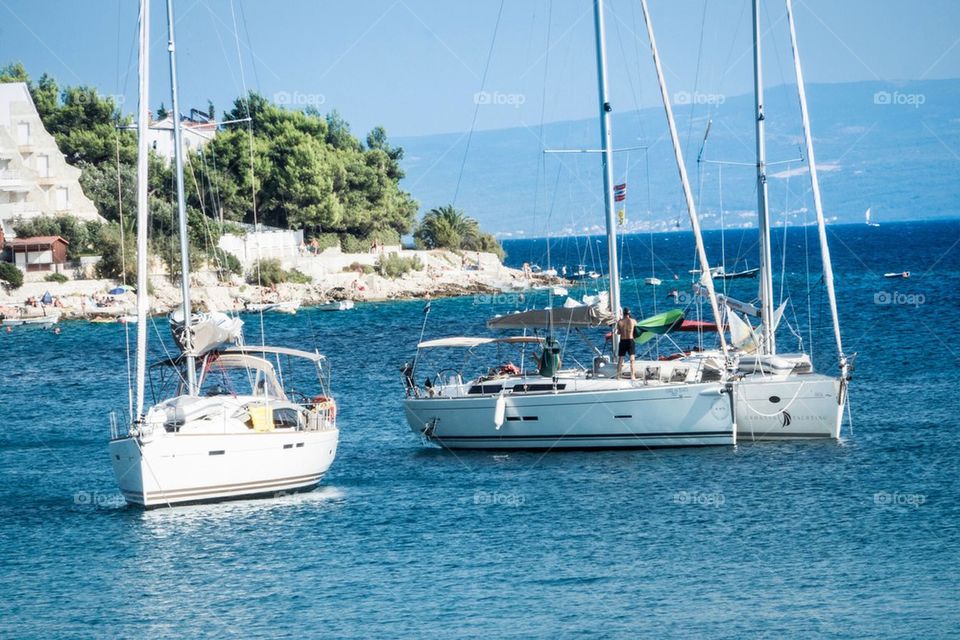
<point>143,121</point>
<point>181,209</point>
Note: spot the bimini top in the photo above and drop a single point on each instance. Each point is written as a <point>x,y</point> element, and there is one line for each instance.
<point>255,351</point>
<point>581,316</point>
<point>469,343</point>
<point>282,351</point>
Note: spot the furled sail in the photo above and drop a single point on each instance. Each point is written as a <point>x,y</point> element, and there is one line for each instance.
<point>582,316</point>
<point>213,331</point>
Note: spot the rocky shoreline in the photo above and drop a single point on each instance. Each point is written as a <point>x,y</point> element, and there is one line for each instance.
<point>444,274</point>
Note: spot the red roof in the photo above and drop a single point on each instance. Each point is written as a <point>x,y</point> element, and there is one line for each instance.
<point>22,242</point>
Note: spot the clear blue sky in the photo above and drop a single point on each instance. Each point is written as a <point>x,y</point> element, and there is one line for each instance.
<point>414,66</point>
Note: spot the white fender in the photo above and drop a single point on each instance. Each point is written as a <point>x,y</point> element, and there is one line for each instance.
<point>499,411</point>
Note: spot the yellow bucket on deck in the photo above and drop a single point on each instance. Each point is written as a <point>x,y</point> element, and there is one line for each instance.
<point>262,417</point>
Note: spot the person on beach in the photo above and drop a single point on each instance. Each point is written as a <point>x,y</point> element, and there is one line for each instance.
<point>625,330</point>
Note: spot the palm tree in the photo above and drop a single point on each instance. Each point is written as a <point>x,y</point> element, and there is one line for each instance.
<point>448,228</point>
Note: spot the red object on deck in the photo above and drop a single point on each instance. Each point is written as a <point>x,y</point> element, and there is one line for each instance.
<point>696,325</point>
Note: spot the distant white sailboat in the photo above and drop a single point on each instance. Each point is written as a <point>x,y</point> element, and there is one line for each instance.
<point>335,305</point>
<point>38,322</point>
<point>288,306</point>
<point>869,222</point>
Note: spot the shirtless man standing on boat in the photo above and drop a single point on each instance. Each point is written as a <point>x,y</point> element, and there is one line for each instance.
<point>625,328</point>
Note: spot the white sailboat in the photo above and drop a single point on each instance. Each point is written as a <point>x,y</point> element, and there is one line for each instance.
<point>867,219</point>
<point>231,429</point>
<point>286,306</point>
<point>550,407</point>
<point>780,396</point>
<point>336,305</point>
<point>31,321</point>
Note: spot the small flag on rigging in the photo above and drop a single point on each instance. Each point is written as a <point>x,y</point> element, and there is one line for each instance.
<point>620,192</point>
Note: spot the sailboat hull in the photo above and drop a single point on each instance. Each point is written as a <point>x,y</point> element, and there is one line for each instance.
<point>793,407</point>
<point>631,417</point>
<point>181,469</point>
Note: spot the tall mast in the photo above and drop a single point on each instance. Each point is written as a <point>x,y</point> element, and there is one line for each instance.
<point>181,208</point>
<point>684,180</point>
<point>766,262</point>
<point>815,187</point>
<point>143,121</point>
<point>606,137</point>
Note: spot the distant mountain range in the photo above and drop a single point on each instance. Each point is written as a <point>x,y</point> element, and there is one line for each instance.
<point>892,147</point>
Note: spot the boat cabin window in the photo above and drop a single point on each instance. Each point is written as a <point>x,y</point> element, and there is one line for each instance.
<point>286,417</point>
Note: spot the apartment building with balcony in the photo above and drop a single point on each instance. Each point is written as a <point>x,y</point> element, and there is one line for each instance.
<point>35,178</point>
<point>196,134</point>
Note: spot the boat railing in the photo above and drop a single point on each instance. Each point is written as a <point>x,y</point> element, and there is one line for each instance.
<point>322,416</point>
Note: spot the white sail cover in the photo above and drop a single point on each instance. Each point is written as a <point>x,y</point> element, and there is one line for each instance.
<point>213,331</point>
<point>468,343</point>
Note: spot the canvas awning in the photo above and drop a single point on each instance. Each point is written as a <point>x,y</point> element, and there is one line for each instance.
<point>583,316</point>
<point>469,343</point>
<point>283,351</point>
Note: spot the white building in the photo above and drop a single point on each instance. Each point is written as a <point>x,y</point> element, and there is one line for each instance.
<point>195,135</point>
<point>263,242</point>
<point>35,179</point>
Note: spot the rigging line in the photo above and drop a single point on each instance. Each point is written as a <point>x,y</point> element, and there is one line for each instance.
<point>783,246</point>
<point>476,108</point>
<point>776,50</point>
<point>122,87</point>
<point>636,50</point>
<point>633,92</point>
<point>216,31</point>
<point>733,44</point>
<point>806,255</point>
<point>123,275</point>
<point>542,165</point>
<point>119,31</point>
<point>207,234</point>
<point>215,185</point>
<point>696,78</point>
<point>723,224</point>
<point>253,175</point>
<point>246,33</point>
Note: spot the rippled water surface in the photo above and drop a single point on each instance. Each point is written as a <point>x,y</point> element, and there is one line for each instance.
<point>850,539</point>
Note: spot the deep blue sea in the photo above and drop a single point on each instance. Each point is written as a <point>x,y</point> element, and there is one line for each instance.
<point>856,539</point>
